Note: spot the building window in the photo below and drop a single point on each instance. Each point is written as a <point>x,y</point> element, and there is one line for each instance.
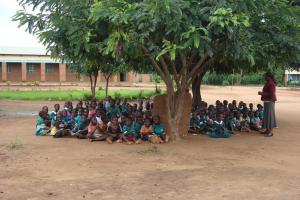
<point>9,67</point>
<point>50,68</point>
<point>122,77</point>
<point>0,67</point>
<point>31,68</point>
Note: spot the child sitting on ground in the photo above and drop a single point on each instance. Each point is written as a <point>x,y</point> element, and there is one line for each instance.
<point>245,122</point>
<point>55,112</point>
<point>114,131</point>
<point>80,126</point>
<point>195,124</point>
<point>159,129</point>
<point>96,131</point>
<point>59,128</point>
<point>218,129</point>
<point>43,124</point>
<point>146,130</point>
<point>129,134</point>
<point>256,122</point>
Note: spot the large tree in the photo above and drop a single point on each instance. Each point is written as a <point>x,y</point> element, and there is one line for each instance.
<point>182,39</point>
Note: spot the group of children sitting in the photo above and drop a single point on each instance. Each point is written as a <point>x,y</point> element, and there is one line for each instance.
<point>115,121</point>
<point>108,120</point>
<point>223,119</point>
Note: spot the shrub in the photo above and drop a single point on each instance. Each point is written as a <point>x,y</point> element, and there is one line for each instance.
<point>158,90</point>
<point>225,83</point>
<point>100,88</point>
<point>140,94</point>
<point>117,95</point>
<point>87,97</point>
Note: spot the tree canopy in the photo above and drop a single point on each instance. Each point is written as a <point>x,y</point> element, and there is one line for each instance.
<point>65,28</point>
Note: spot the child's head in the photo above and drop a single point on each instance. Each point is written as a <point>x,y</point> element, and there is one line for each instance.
<point>64,113</point>
<point>80,111</point>
<point>234,103</point>
<point>259,107</point>
<point>84,118</point>
<point>147,122</point>
<point>156,119</point>
<point>225,102</point>
<point>195,115</point>
<point>94,120</point>
<point>128,121</point>
<point>220,117</point>
<point>45,108</point>
<point>42,114</point>
<point>104,118</point>
<point>218,102</point>
<point>59,117</point>
<point>139,118</point>
<point>114,119</point>
<point>74,114</point>
<point>251,106</point>
<point>56,107</point>
<point>86,112</point>
<point>98,113</point>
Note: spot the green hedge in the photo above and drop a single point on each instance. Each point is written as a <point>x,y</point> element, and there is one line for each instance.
<point>236,79</point>
<point>74,94</point>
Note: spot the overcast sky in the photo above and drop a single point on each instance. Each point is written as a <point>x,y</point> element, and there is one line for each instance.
<point>10,34</point>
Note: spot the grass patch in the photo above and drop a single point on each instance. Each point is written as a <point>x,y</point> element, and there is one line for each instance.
<point>13,144</point>
<point>63,95</point>
<point>150,150</point>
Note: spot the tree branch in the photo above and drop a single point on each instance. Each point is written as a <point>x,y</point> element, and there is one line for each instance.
<point>198,65</point>
<point>202,69</point>
<point>154,63</point>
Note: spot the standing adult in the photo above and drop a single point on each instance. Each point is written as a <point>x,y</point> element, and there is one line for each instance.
<point>268,96</point>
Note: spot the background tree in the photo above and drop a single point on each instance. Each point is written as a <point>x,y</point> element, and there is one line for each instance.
<point>275,43</point>
<point>108,71</point>
<point>69,35</point>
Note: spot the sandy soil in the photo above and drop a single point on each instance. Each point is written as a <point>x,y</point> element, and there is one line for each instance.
<point>248,166</point>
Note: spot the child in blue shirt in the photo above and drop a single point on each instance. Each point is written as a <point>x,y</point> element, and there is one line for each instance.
<point>218,129</point>
<point>129,135</point>
<point>159,129</point>
<point>195,126</point>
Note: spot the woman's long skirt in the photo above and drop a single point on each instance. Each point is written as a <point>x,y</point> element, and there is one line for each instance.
<point>269,121</point>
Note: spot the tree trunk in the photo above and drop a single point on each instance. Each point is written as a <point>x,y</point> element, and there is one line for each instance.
<point>196,86</point>
<point>106,86</point>
<point>107,82</point>
<point>175,104</point>
<point>93,82</point>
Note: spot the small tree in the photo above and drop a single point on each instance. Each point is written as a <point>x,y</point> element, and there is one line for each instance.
<point>69,35</point>
<point>108,71</point>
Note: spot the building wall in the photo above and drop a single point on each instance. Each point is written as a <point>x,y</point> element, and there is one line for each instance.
<point>60,73</point>
<point>53,76</point>
<point>16,74</point>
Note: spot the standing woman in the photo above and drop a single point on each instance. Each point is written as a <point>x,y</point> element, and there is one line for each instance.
<point>268,96</point>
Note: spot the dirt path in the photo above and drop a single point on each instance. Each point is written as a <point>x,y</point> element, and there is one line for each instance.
<point>242,167</point>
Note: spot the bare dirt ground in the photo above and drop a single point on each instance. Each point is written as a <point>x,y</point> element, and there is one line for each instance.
<point>248,166</point>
